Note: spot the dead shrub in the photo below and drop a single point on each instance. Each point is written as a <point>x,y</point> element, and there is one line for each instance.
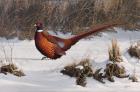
<point>87,67</point>
<point>98,76</point>
<point>63,15</point>
<point>70,70</point>
<point>75,69</point>
<point>9,66</point>
<point>133,78</point>
<point>134,50</point>
<point>12,69</point>
<point>81,80</point>
<point>114,52</point>
<point>81,71</point>
<point>113,68</point>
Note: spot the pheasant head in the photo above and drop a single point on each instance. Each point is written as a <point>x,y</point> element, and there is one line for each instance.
<point>39,26</point>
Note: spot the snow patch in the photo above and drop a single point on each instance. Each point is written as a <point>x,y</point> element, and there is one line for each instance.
<point>45,76</point>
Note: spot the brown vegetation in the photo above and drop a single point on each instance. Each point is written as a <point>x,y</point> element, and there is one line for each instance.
<point>12,69</point>
<point>133,78</point>
<point>134,50</point>
<point>81,71</point>
<point>74,70</point>
<point>18,16</point>
<point>114,52</point>
<point>113,68</point>
<point>9,66</point>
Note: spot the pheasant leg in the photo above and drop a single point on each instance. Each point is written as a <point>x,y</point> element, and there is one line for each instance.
<point>43,58</point>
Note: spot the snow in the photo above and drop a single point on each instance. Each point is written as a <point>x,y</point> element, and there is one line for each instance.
<point>45,76</point>
<point>80,67</point>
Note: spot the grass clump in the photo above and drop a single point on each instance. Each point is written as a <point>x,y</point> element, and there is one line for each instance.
<point>133,78</point>
<point>12,69</point>
<point>9,66</point>
<point>81,79</point>
<point>99,76</point>
<point>114,52</point>
<point>82,70</point>
<point>73,70</point>
<point>134,50</point>
<point>114,67</point>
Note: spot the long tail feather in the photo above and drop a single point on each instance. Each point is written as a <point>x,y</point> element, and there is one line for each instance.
<point>93,30</point>
<point>96,29</point>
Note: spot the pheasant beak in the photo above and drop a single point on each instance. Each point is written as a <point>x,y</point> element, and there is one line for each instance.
<point>35,25</point>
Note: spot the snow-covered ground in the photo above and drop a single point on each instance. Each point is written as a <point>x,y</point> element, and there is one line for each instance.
<point>45,76</point>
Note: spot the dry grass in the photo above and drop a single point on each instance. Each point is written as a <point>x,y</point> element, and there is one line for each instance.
<point>114,52</point>
<point>9,66</point>
<point>18,16</point>
<point>134,50</point>
<point>81,71</point>
<point>12,69</point>
<point>74,70</point>
<point>81,80</point>
<point>99,76</point>
<point>133,78</point>
<point>113,68</point>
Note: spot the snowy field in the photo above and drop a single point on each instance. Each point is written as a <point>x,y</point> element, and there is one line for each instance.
<point>45,76</point>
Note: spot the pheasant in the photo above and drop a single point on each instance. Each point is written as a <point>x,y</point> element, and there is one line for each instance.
<point>54,47</point>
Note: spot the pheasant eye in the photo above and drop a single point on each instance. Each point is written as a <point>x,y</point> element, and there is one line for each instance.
<point>39,24</point>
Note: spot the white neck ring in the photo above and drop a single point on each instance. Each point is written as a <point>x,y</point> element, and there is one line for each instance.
<point>39,30</point>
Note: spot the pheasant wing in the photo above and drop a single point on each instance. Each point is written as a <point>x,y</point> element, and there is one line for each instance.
<point>58,42</point>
